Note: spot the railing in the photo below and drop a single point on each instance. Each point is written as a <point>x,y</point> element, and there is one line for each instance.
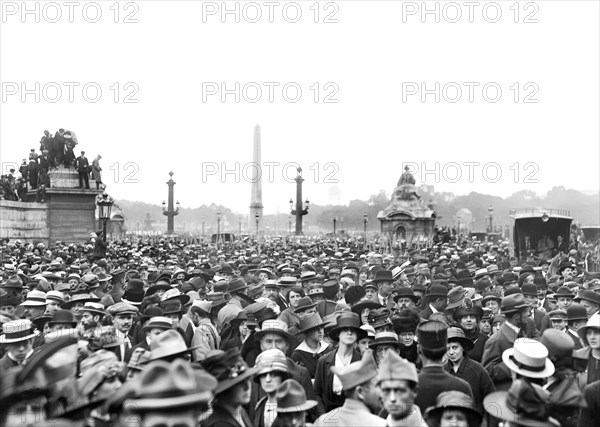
<point>540,211</point>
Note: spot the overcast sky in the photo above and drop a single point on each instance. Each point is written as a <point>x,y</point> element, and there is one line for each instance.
<point>375,61</point>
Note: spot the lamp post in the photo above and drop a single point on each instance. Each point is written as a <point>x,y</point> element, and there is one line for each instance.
<point>334,224</point>
<point>203,219</point>
<point>299,212</point>
<point>169,211</point>
<point>341,225</point>
<point>240,225</point>
<point>491,218</point>
<point>105,203</point>
<point>257,218</point>
<point>290,224</point>
<point>218,227</point>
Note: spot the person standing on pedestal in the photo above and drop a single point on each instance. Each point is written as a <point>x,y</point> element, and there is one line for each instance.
<point>83,167</point>
<point>97,171</point>
<point>32,169</point>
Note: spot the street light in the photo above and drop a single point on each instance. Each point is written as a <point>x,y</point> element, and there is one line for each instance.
<point>334,224</point>
<point>491,217</point>
<point>290,224</point>
<point>218,227</point>
<point>240,224</point>
<point>257,217</point>
<point>203,219</point>
<point>342,225</point>
<point>105,203</point>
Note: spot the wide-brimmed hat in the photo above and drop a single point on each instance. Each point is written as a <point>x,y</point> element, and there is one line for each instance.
<point>592,323</point>
<point>273,326</point>
<point>456,296</point>
<point>453,400</point>
<point>529,358</point>
<point>308,323</point>
<point>513,303</point>
<point>174,294</point>
<point>272,360</point>
<point>305,303</point>
<point>228,368</point>
<point>63,317</point>
<point>385,338</point>
<point>236,285</point>
<point>164,385</point>
<point>588,295</point>
<point>291,397</point>
<point>17,331</point>
<point>365,304</point>
<point>467,309</point>
<point>168,344</point>
<point>457,334</point>
<point>524,404</point>
<point>35,299</point>
<point>13,283</point>
<point>347,320</point>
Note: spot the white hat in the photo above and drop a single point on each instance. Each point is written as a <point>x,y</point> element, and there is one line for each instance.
<point>16,331</point>
<point>35,299</point>
<point>529,358</point>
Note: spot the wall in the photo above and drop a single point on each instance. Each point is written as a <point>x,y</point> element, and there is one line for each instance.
<point>24,221</point>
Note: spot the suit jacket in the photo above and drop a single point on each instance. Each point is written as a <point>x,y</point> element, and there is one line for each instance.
<point>538,316</point>
<point>82,164</point>
<point>434,380</point>
<point>426,313</point>
<point>222,418</point>
<point>477,377</point>
<point>353,413</point>
<point>576,339</point>
<point>324,381</point>
<point>492,356</point>
<point>142,344</point>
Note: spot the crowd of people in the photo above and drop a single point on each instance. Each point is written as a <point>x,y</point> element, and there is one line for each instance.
<point>54,152</point>
<point>166,332</point>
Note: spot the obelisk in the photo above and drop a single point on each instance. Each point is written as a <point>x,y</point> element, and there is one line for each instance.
<point>256,206</point>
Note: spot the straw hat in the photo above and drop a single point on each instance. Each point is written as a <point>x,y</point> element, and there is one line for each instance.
<point>529,358</point>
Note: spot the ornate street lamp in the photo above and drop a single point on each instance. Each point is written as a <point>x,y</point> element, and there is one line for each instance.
<point>298,212</point>
<point>365,220</point>
<point>240,224</point>
<point>170,211</point>
<point>491,218</point>
<point>105,203</point>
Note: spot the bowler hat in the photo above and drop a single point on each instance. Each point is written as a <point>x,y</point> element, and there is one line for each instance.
<point>564,292</point>
<point>529,289</point>
<point>63,317</point>
<point>576,312</point>
<point>405,292</point>
<point>432,335</point>
<point>35,299</point>
<point>291,397</point>
<point>347,320</point>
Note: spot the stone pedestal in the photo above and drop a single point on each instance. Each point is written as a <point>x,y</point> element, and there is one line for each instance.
<point>71,210</point>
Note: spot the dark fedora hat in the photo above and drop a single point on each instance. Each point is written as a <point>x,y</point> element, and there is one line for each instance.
<point>63,317</point>
<point>228,368</point>
<point>438,291</point>
<point>308,323</point>
<point>588,295</point>
<point>513,303</point>
<point>576,312</point>
<point>347,320</point>
<point>463,311</point>
<point>564,292</point>
<point>385,338</point>
<point>458,335</point>
<point>383,276</point>
<point>529,289</point>
<point>291,397</point>
<point>365,304</point>
<point>305,303</point>
<point>404,292</point>
<point>237,285</point>
<point>149,313</point>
